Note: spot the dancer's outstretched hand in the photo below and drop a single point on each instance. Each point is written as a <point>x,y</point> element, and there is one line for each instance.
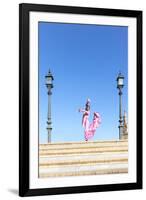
<point>81,110</point>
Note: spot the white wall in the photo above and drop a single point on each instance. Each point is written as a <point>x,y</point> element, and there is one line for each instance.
<point>9,96</point>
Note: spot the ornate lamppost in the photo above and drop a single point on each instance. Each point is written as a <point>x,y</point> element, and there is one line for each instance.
<point>49,84</point>
<point>120,85</point>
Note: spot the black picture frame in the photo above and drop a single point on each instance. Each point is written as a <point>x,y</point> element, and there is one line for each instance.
<point>24,106</point>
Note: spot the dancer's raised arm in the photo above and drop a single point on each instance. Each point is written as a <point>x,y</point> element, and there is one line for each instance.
<point>81,110</point>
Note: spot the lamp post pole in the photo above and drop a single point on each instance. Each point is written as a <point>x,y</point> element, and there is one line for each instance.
<point>120,114</point>
<point>120,85</point>
<point>49,84</point>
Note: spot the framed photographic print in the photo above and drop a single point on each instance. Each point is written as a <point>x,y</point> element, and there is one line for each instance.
<point>80,99</point>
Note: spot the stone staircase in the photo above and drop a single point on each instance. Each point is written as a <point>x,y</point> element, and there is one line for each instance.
<point>83,158</point>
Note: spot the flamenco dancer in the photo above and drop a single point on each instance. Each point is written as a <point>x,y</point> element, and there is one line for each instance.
<point>89,128</point>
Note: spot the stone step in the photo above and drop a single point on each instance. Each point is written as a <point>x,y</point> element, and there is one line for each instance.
<point>83,156</point>
<point>78,162</point>
<point>86,169</point>
<point>83,144</point>
<point>85,173</point>
<point>85,150</point>
<point>108,157</point>
<point>86,154</point>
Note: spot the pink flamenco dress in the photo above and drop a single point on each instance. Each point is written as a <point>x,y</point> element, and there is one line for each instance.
<point>90,129</point>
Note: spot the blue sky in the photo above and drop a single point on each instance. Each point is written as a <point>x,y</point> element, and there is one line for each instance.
<point>85,61</point>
